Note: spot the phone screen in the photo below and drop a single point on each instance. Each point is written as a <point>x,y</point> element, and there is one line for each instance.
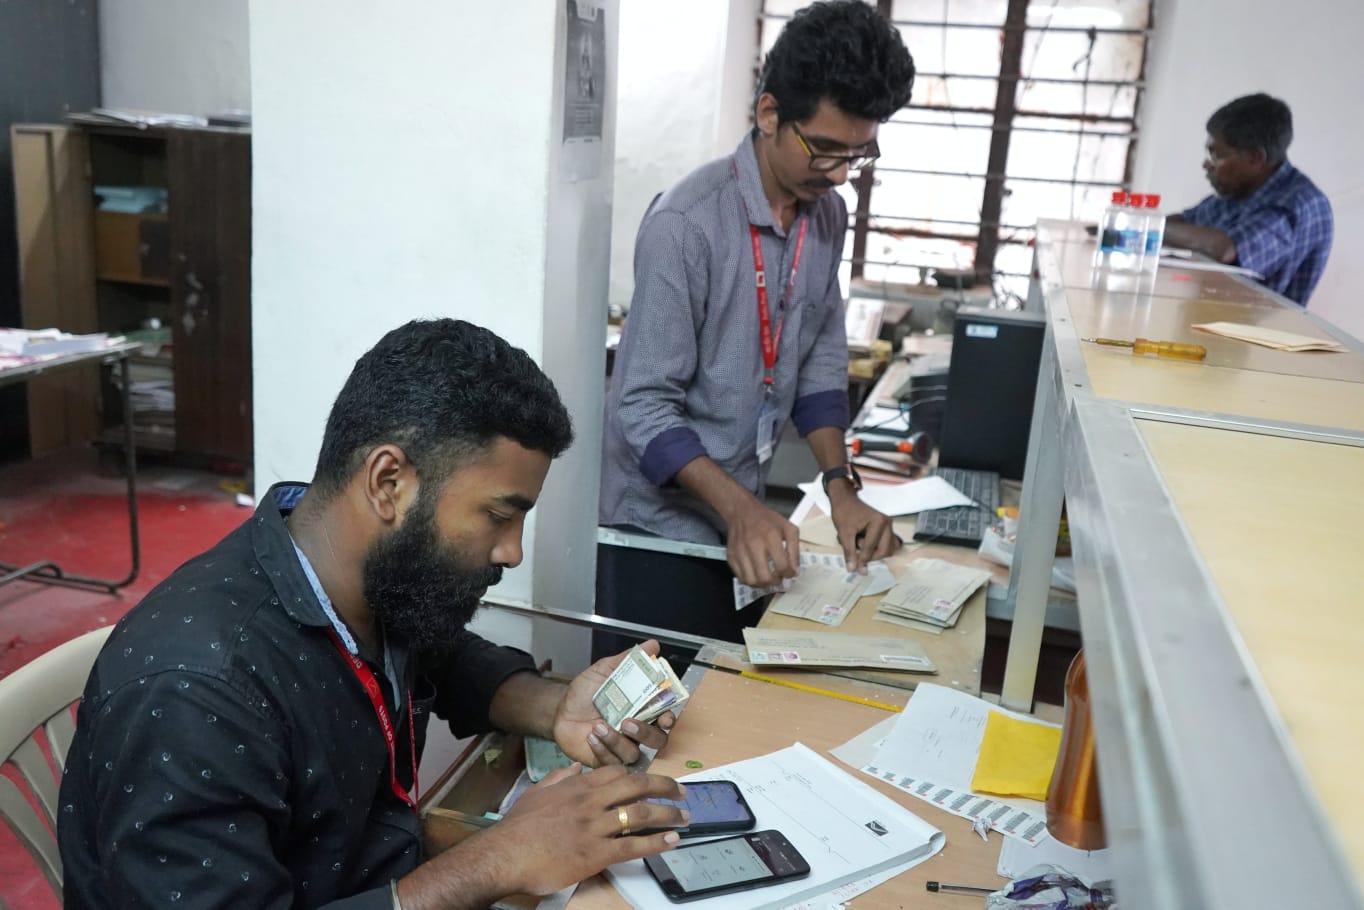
<point>716,807</point>
<point>728,864</point>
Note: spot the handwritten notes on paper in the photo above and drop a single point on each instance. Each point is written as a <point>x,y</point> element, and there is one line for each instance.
<point>932,749</point>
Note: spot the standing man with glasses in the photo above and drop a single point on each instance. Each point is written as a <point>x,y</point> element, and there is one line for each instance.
<point>736,326</point>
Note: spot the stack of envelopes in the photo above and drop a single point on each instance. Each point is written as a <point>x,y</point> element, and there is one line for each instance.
<point>930,594</point>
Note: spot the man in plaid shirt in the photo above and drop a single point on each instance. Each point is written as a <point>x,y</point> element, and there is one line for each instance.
<point>1266,215</point>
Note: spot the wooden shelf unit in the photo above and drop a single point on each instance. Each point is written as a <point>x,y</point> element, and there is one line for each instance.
<point>85,269</point>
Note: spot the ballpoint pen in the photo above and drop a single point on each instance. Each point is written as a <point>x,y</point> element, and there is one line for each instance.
<point>945,888</point>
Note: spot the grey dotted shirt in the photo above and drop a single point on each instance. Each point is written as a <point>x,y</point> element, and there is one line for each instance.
<point>688,375</point>
<point>227,756</point>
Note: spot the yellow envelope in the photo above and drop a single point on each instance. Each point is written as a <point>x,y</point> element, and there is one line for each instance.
<point>1270,338</point>
<point>1016,757</point>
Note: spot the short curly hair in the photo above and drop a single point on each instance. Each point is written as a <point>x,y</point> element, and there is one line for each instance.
<point>442,390</point>
<point>843,50</point>
<point>1253,122</point>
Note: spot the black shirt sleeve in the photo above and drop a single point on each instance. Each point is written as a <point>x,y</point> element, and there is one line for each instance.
<point>465,678</point>
<point>193,777</point>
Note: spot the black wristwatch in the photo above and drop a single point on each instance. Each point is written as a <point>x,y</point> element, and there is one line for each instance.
<point>846,471</point>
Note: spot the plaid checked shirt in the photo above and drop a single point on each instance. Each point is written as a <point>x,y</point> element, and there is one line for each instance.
<point>1283,231</point>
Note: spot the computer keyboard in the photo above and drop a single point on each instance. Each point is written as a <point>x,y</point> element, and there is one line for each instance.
<point>964,525</point>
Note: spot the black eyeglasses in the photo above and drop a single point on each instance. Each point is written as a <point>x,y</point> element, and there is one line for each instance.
<point>825,163</point>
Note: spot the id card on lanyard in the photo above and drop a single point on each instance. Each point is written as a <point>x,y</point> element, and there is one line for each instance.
<point>376,697</point>
<point>770,418</point>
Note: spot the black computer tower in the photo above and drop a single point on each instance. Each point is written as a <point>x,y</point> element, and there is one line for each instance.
<point>991,382</point>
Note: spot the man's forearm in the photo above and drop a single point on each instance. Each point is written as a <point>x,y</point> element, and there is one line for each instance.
<point>474,873</point>
<point>827,445</point>
<point>526,703</point>
<point>1210,241</point>
<point>712,485</point>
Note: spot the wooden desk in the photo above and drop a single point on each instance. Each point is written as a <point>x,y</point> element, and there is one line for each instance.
<point>1213,511</point>
<point>14,370</point>
<point>957,652</point>
<point>730,718</point>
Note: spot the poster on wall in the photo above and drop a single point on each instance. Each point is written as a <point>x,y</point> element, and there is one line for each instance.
<point>584,89</point>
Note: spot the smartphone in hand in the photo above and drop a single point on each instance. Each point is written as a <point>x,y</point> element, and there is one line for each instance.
<point>716,807</point>
<point>755,860</point>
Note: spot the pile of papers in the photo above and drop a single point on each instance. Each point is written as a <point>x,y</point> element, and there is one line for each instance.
<point>642,687</point>
<point>959,753</point>
<point>44,342</point>
<point>930,594</point>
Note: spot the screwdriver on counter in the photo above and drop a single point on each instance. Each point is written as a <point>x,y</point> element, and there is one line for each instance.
<point>1173,349</point>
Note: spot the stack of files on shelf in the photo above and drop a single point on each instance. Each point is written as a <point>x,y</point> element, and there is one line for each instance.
<point>138,118</point>
<point>46,342</point>
<point>930,594</point>
<point>152,394</point>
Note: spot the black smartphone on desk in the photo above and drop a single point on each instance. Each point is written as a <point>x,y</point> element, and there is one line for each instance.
<point>716,807</point>
<point>726,865</point>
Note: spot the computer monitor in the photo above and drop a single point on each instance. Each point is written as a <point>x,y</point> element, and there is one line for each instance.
<point>991,382</point>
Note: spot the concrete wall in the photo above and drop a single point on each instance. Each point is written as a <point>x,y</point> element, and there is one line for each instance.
<point>407,163</point>
<point>685,99</point>
<point>183,56</point>
<point>1206,52</point>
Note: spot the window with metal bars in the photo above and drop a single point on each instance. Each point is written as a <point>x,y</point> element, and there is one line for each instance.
<point>1022,109</point>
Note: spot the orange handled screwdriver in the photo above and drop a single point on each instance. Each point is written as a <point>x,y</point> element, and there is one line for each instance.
<point>1173,349</point>
<point>918,446</point>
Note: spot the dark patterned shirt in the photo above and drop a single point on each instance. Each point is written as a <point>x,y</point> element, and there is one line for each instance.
<point>226,754</point>
<point>1283,231</point>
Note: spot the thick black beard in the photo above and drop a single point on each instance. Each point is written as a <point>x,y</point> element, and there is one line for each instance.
<point>419,587</point>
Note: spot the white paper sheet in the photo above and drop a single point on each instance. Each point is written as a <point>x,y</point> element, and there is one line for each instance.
<point>845,829</point>
<point>899,498</point>
<point>931,753</point>
<point>1016,857</point>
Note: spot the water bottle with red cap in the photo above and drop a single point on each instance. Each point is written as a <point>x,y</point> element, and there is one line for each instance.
<point>1155,233</point>
<point>1121,237</point>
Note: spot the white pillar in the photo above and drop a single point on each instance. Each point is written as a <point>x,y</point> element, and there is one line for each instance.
<point>686,97</point>
<point>409,161</point>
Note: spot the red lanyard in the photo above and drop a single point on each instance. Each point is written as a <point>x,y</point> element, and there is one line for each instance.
<point>376,697</point>
<point>770,340</point>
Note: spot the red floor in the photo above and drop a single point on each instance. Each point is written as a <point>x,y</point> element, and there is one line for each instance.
<point>63,509</point>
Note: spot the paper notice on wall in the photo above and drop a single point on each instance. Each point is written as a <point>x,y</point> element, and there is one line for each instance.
<point>584,90</point>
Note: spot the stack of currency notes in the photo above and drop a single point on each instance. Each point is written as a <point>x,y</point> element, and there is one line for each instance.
<point>642,687</point>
